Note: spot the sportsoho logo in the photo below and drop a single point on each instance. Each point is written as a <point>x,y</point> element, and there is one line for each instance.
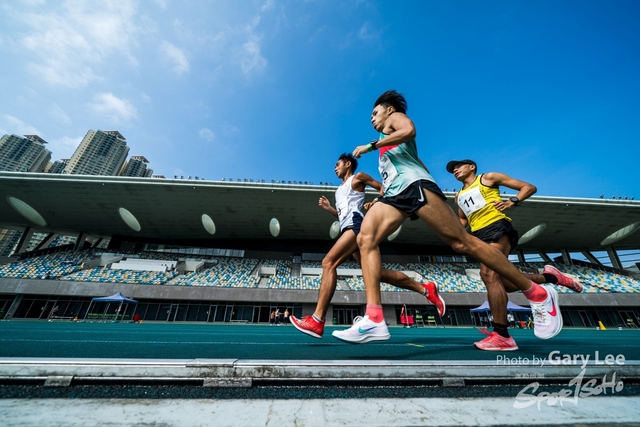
<point>576,388</point>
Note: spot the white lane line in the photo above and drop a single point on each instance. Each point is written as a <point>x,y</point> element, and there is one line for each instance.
<point>215,342</point>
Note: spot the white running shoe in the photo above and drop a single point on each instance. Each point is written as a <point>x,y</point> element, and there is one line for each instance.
<point>547,320</point>
<point>364,331</point>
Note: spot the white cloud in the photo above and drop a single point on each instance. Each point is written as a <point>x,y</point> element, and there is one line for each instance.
<point>175,57</point>
<point>146,98</point>
<point>13,125</point>
<point>63,148</point>
<point>58,114</point>
<point>207,134</point>
<point>113,108</point>
<point>67,46</point>
<point>33,2</point>
<point>266,6</point>
<point>162,4</point>
<point>365,33</point>
<point>251,60</point>
<point>249,56</point>
<point>230,130</point>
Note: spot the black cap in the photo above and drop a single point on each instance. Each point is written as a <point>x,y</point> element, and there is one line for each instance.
<point>452,164</point>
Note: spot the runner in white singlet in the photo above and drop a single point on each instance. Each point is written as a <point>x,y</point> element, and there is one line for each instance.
<point>349,203</point>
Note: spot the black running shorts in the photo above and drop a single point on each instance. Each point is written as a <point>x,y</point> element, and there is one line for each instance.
<point>494,231</point>
<point>413,198</point>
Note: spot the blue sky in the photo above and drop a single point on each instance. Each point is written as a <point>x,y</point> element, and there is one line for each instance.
<point>545,91</point>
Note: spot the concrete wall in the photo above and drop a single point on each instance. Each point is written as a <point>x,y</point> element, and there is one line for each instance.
<point>193,265</point>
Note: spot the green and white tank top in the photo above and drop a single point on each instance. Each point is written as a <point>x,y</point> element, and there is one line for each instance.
<point>399,167</point>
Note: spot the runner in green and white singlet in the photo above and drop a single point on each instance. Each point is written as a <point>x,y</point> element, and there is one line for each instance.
<point>400,166</point>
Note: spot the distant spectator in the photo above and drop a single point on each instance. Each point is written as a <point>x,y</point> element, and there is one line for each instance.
<point>52,313</point>
<point>511,320</point>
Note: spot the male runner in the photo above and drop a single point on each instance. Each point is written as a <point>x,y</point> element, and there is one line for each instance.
<point>480,207</point>
<point>410,191</point>
<point>349,202</point>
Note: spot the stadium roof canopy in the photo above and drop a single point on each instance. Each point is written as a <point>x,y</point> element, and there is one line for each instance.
<point>171,211</point>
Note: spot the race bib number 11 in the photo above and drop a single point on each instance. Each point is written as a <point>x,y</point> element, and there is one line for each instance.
<point>471,201</point>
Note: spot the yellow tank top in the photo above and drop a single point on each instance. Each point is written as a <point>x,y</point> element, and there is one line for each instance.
<point>476,201</point>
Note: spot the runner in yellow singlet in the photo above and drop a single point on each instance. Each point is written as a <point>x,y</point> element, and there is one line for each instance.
<point>482,209</point>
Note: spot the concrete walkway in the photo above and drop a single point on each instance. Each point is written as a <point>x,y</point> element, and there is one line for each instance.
<point>302,413</point>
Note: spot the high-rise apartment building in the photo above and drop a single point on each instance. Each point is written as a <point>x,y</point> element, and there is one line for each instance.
<point>20,154</point>
<point>99,153</point>
<point>23,154</point>
<point>137,166</point>
<point>58,166</point>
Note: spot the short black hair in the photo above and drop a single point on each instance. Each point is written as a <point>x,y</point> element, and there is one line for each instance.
<point>347,157</point>
<point>394,99</point>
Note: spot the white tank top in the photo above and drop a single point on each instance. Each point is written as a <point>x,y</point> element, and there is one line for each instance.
<point>348,202</point>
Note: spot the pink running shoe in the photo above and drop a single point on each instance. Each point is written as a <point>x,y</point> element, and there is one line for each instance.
<point>434,297</point>
<point>308,325</point>
<point>563,279</point>
<point>484,330</point>
<point>496,342</point>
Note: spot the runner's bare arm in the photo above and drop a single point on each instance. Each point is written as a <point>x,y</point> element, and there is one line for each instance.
<point>399,129</point>
<point>359,183</point>
<point>495,179</point>
<point>463,218</point>
<point>361,180</point>
<point>326,205</point>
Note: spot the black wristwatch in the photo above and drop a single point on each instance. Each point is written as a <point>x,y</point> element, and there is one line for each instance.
<point>514,200</point>
<point>373,144</point>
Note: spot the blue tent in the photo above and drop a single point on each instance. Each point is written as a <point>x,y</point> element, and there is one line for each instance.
<point>119,298</point>
<point>515,307</point>
<point>115,298</point>
<point>510,307</point>
<point>483,307</point>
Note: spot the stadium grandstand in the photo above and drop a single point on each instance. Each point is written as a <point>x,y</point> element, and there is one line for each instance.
<point>224,251</point>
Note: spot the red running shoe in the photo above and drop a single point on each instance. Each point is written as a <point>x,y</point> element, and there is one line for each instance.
<point>496,342</point>
<point>434,297</point>
<point>308,325</point>
<point>563,279</point>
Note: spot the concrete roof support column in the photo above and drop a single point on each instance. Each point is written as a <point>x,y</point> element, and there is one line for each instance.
<point>591,258</point>
<point>46,241</point>
<point>613,256</point>
<point>95,245</point>
<point>545,257</point>
<point>14,306</point>
<point>566,258</point>
<point>80,241</point>
<point>24,241</point>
